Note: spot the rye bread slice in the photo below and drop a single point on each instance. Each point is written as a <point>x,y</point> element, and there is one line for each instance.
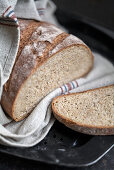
<point>90,112</point>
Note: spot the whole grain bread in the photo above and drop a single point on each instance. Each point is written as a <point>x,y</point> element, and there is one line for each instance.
<point>90,112</point>
<point>47,58</point>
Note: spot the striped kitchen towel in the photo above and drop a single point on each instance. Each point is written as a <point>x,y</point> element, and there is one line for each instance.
<point>9,39</point>
<point>36,126</point>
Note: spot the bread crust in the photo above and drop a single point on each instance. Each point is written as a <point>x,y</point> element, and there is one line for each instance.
<point>8,97</point>
<point>86,129</point>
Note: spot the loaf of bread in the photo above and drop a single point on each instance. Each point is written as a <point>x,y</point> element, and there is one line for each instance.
<point>47,58</point>
<point>90,112</point>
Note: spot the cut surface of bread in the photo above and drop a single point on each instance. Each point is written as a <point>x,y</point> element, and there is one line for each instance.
<point>90,112</point>
<point>48,59</point>
<point>56,71</point>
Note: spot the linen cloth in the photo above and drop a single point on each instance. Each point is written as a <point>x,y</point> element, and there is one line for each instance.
<point>35,127</point>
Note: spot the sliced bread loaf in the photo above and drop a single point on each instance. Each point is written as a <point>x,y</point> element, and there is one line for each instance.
<point>90,112</point>
<point>47,58</point>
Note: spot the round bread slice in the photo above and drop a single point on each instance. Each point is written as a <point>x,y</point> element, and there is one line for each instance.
<point>90,112</point>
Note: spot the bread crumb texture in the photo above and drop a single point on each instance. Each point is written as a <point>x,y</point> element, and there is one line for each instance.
<point>59,69</point>
<point>91,108</point>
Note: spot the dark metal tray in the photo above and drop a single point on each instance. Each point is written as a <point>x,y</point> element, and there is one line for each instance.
<point>62,146</point>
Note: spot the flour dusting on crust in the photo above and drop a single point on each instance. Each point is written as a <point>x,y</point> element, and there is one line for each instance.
<point>46,33</point>
<point>70,40</point>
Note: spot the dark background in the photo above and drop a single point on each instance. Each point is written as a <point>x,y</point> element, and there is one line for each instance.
<point>100,12</point>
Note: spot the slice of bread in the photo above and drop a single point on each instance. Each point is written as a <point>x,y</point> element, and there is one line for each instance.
<point>90,112</point>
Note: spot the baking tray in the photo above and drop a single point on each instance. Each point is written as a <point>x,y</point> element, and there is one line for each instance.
<point>62,146</point>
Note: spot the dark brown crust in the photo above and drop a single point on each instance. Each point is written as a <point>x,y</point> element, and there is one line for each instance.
<point>91,130</point>
<point>8,98</point>
<point>25,34</point>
